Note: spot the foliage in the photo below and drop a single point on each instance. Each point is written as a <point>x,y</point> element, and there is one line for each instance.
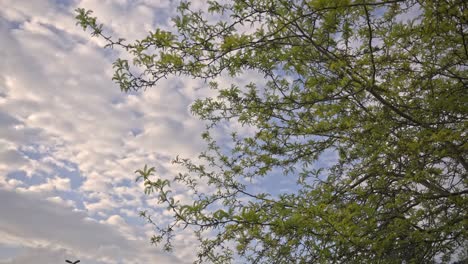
<point>380,83</point>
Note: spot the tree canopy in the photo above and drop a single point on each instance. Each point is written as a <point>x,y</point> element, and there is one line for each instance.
<point>381,84</point>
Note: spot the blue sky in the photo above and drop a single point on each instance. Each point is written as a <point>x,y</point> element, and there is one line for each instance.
<point>70,140</point>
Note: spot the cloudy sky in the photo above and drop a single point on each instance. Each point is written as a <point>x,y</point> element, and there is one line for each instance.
<point>70,140</point>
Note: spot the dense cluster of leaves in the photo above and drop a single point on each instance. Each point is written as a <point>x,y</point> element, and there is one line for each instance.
<point>381,83</point>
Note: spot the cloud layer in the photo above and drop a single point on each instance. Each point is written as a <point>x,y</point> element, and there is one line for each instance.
<point>55,228</point>
<point>70,140</point>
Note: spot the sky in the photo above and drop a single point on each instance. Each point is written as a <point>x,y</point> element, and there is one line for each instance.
<point>70,140</point>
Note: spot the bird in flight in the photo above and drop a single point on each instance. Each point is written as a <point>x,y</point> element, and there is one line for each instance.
<point>72,262</point>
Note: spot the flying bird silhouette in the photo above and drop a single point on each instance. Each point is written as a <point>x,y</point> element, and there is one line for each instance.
<point>72,262</point>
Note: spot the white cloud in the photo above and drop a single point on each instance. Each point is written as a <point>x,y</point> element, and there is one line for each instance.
<point>61,201</point>
<point>66,125</point>
<point>58,107</point>
<point>36,223</point>
<point>39,255</point>
<point>56,183</point>
<point>120,224</point>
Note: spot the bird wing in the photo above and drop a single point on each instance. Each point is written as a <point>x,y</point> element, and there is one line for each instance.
<point>68,261</point>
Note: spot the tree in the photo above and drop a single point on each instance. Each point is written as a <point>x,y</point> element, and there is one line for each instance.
<point>381,83</point>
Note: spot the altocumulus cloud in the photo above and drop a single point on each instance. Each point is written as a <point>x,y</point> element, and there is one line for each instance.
<point>69,140</point>
<point>55,230</point>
